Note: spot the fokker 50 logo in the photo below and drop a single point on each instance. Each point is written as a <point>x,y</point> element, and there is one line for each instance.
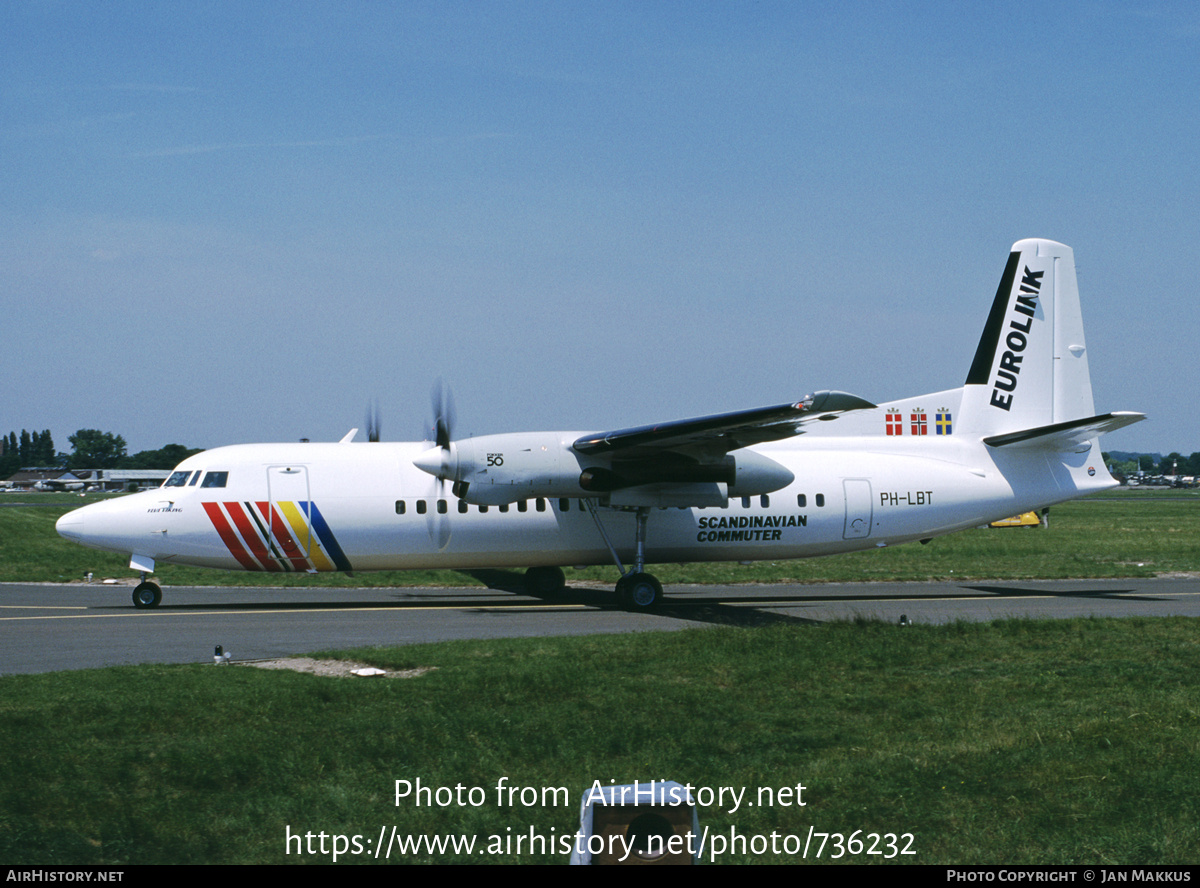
<point>1016,340</point>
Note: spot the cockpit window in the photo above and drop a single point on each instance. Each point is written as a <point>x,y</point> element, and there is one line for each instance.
<point>195,478</point>
<point>215,479</point>
<point>177,479</point>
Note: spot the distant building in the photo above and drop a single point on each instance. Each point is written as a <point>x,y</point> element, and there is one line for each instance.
<point>85,479</point>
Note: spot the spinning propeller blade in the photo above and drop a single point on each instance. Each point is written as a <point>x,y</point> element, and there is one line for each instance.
<point>443,415</point>
<point>372,423</point>
<point>443,431</point>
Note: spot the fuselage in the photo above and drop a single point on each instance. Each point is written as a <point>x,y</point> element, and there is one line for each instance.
<point>364,506</point>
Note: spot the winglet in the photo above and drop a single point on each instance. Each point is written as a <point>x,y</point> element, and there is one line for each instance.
<point>836,402</point>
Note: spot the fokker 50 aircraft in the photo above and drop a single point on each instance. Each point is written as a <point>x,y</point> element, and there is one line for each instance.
<point>828,473</point>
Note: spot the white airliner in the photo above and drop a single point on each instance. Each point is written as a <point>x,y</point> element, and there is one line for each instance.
<point>829,473</point>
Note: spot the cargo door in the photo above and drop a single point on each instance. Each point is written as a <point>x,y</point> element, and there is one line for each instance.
<point>859,504</point>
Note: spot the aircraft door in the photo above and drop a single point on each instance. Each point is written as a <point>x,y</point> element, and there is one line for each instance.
<point>289,524</point>
<point>859,504</point>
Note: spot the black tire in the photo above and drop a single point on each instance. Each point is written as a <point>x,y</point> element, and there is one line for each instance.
<point>146,595</point>
<point>545,580</point>
<point>639,592</point>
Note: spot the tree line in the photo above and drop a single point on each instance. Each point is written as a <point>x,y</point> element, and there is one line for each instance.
<point>90,449</point>
<point>1173,463</point>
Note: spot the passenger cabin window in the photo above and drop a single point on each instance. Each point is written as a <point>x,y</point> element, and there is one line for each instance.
<point>462,507</point>
<point>820,500</point>
<point>215,479</point>
<point>802,500</point>
<point>400,507</point>
<point>421,507</point>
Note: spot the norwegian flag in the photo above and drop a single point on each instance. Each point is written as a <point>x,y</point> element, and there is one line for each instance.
<point>895,422</point>
<point>920,422</point>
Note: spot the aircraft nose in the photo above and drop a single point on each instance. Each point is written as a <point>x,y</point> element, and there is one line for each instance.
<point>70,525</point>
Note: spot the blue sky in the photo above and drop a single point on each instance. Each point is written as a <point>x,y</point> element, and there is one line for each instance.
<point>228,222</point>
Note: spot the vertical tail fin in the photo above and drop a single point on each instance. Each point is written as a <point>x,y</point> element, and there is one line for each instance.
<point>1030,367</point>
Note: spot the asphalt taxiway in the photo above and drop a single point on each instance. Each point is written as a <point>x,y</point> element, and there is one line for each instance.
<point>45,628</point>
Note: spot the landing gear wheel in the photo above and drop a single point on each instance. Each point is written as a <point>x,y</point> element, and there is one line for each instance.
<point>146,595</point>
<point>639,592</point>
<point>545,580</point>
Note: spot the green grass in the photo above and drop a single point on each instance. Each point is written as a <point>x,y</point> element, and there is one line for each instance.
<point>1011,742</point>
<point>1125,534</point>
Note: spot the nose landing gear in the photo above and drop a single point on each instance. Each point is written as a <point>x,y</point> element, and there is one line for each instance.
<point>146,594</point>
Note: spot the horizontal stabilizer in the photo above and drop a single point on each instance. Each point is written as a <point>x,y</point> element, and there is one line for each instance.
<point>1065,435</point>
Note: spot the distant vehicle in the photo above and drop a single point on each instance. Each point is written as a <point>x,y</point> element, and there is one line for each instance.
<point>825,474</point>
<point>1025,519</point>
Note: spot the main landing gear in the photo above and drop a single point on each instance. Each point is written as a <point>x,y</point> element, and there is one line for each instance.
<point>636,590</point>
<point>639,591</point>
<point>146,594</point>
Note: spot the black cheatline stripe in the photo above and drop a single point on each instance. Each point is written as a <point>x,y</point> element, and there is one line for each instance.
<point>284,563</point>
<point>985,354</point>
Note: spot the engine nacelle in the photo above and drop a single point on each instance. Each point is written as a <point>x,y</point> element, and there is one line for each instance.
<point>496,469</point>
<point>757,474</point>
<point>741,473</point>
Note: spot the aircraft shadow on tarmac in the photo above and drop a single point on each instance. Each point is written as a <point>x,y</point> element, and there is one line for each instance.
<point>1125,594</point>
<point>710,610</point>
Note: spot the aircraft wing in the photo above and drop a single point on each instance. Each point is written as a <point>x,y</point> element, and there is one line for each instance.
<point>1065,435</point>
<point>721,433</point>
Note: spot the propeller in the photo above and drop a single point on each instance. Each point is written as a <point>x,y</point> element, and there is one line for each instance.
<point>372,423</point>
<point>443,414</point>
<point>443,434</point>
